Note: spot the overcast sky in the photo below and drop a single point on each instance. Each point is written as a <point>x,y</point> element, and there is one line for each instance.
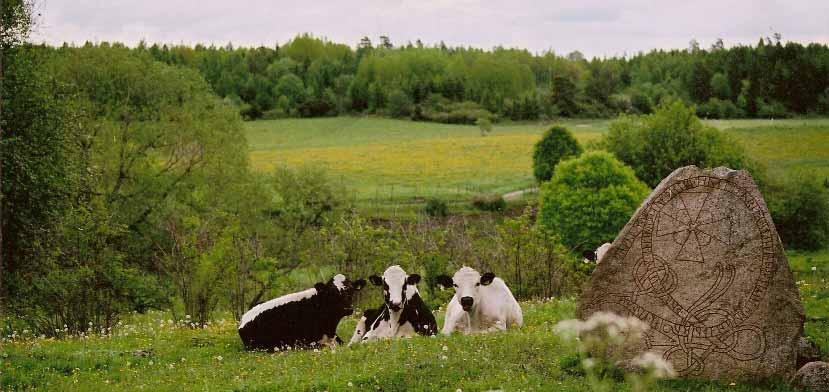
<point>595,27</point>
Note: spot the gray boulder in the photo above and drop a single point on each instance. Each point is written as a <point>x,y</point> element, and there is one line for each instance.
<point>701,263</point>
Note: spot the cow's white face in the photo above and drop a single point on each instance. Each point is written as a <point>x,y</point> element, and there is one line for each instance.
<point>398,286</point>
<point>467,283</point>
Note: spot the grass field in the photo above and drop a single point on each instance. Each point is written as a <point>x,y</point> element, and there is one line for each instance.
<point>383,161</point>
<point>397,160</point>
<point>151,354</point>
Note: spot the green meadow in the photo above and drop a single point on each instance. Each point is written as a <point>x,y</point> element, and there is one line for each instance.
<point>395,161</point>
<point>150,352</point>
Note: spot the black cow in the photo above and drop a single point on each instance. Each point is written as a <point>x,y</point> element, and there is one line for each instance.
<point>403,312</point>
<point>300,319</point>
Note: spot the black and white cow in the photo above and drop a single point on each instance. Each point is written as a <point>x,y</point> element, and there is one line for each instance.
<point>597,255</point>
<point>300,319</point>
<point>482,303</point>
<point>403,312</point>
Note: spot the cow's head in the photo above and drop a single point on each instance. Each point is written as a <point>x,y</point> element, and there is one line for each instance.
<point>398,287</point>
<point>340,292</point>
<point>467,283</point>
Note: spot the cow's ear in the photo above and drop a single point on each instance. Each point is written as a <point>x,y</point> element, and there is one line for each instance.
<point>359,284</point>
<point>319,286</point>
<point>487,278</point>
<point>589,255</point>
<point>376,280</point>
<point>413,279</point>
<point>445,281</point>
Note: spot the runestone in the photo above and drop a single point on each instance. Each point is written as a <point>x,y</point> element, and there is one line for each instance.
<point>702,264</point>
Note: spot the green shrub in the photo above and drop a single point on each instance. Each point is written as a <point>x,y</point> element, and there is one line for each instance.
<point>399,104</point>
<point>589,199</point>
<point>454,113</point>
<point>492,202</point>
<point>556,144</point>
<point>655,145</point>
<point>718,108</point>
<point>773,109</point>
<point>436,208</point>
<point>799,206</point>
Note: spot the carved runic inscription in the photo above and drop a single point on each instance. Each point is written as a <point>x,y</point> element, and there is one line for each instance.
<point>695,266</point>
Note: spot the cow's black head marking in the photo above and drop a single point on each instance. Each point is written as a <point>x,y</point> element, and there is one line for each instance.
<point>340,290</point>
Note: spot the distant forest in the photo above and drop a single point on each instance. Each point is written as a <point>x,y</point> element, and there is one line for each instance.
<point>310,77</point>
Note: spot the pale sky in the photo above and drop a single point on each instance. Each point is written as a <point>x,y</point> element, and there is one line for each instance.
<point>594,27</point>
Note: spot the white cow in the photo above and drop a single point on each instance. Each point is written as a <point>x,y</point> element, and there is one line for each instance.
<point>596,257</point>
<point>481,303</point>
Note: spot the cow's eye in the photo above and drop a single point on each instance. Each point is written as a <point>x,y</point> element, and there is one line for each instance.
<point>454,285</point>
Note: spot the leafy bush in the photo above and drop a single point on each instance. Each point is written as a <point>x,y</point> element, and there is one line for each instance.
<point>399,104</point>
<point>556,144</point>
<point>800,209</point>
<point>771,109</point>
<point>492,202</point>
<point>455,113</point>
<point>485,125</point>
<point>436,207</point>
<point>589,199</point>
<point>718,108</point>
<point>682,140</point>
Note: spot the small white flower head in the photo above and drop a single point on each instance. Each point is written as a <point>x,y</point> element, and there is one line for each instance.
<point>219,358</point>
<point>814,268</point>
<point>350,384</point>
<point>588,363</point>
<point>654,364</point>
<point>445,348</point>
<point>443,357</point>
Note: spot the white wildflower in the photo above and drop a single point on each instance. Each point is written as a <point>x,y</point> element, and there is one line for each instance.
<point>588,363</point>
<point>445,348</point>
<point>219,358</point>
<point>654,364</point>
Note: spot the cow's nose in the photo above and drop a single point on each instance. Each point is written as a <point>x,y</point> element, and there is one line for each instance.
<point>395,306</point>
<point>467,302</point>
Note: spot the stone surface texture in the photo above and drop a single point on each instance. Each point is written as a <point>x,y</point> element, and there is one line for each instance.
<point>813,377</point>
<point>701,262</point>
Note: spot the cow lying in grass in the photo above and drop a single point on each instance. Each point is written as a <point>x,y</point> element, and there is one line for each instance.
<point>301,319</point>
<point>403,312</point>
<point>481,303</point>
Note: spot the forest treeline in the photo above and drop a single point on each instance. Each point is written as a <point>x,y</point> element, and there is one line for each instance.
<point>309,77</point>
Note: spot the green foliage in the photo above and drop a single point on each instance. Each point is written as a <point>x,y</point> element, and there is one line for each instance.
<point>718,108</point>
<point>129,135</point>
<point>485,125</point>
<point>436,208</point>
<point>290,86</point>
<point>489,202</point>
<point>763,80</point>
<point>682,140</point>
<point>799,205</point>
<point>720,86</point>
<point>556,145</point>
<point>399,104</point>
<point>535,263</point>
<point>589,199</point>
